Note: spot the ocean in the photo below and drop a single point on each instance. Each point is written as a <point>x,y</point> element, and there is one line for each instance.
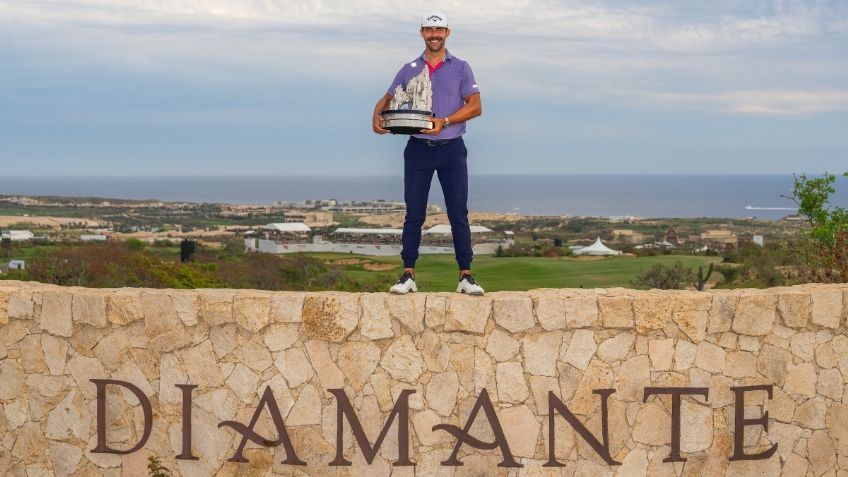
<point>649,196</point>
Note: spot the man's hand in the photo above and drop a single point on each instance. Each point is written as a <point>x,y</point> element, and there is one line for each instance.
<point>438,125</point>
<point>377,122</point>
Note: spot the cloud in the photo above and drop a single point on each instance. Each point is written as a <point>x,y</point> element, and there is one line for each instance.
<point>264,70</point>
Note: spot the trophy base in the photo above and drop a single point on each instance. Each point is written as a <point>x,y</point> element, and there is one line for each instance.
<point>406,121</point>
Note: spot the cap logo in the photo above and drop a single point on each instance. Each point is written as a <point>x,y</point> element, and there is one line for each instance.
<point>434,18</point>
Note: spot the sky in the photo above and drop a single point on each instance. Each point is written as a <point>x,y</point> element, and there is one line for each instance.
<point>287,87</point>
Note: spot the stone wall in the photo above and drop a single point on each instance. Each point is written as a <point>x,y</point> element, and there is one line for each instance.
<point>520,350</point>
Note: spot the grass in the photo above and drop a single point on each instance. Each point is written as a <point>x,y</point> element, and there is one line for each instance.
<point>439,272</point>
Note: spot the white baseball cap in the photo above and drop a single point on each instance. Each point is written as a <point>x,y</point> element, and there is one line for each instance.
<point>434,19</point>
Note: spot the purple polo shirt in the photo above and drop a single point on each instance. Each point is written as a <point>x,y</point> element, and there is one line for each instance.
<point>451,83</point>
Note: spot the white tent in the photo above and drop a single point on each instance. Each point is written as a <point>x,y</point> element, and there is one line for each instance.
<point>597,248</point>
<point>445,229</point>
<point>288,227</point>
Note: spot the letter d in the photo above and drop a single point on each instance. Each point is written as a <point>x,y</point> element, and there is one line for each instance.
<point>101,416</point>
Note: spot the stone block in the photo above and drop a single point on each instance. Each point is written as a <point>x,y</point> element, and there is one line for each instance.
<point>821,452</point>
<point>616,311</point>
<point>801,380</point>
<point>501,345</point>
<point>216,306</point>
<point>357,361</point>
<point>467,313</point>
<point>652,310</point>
<point>434,351</point>
<point>521,429</point>
<point>794,307</point>
<point>722,311</point>
<point>330,317</point>
<point>617,347</point>
<point>696,423</point>
<point>755,314</point>
<point>581,310</point>
<point>549,308</point>
<point>435,310</point>
<point>161,323</point>
<point>402,360</point>
<point>252,310</point>
<point>741,364</point>
<point>89,307</point>
<point>186,305</point>
<point>329,374</point>
<point>710,357</point>
<point>408,310</point>
<point>512,386</point>
<point>513,311</point>
<point>4,307</point>
<point>287,307</point>
<point>202,365</point>
<point>580,349</point>
<point>441,392</point>
<point>773,363</point>
<point>826,306</point>
<point>661,352</point>
<point>691,315</point>
<point>56,316</point>
<point>11,380</point>
<point>375,322</point>
<point>124,306</point>
<point>540,353</point>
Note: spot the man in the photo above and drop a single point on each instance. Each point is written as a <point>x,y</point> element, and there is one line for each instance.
<point>456,99</point>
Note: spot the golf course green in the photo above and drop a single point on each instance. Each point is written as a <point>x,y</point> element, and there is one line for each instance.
<point>439,273</point>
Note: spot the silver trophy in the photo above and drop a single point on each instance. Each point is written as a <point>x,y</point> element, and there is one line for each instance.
<point>410,110</point>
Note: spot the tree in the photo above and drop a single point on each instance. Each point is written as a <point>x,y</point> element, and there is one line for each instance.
<point>660,276</point>
<point>824,244</point>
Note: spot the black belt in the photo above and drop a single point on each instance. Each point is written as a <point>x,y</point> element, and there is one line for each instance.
<point>434,142</point>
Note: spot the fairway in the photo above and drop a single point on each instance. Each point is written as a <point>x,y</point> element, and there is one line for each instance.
<point>439,272</point>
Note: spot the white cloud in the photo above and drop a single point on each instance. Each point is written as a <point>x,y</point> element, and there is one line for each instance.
<point>638,54</point>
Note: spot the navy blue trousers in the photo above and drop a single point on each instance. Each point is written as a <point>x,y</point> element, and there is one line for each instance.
<point>448,160</point>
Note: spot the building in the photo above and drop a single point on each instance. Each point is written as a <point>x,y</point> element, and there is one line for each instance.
<point>312,218</point>
<point>17,265</point>
<point>292,238</point>
<point>93,238</point>
<point>291,232</point>
<point>17,235</point>
<point>672,237</point>
<point>353,207</point>
<point>718,237</point>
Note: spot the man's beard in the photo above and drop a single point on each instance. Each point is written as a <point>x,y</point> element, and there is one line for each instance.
<point>436,48</point>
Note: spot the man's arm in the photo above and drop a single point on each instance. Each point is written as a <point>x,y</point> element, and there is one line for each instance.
<point>377,118</point>
<point>470,110</point>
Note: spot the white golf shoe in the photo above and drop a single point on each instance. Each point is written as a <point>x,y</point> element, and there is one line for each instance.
<point>404,285</point>
<point>469,286</point>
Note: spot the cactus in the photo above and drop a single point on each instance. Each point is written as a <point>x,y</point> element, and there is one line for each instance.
<point>702,280</point>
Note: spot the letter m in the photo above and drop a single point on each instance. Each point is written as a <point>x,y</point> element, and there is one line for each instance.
<point>345,411</point>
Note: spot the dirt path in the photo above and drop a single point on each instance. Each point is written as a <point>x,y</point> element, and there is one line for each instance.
<point>52,222</point>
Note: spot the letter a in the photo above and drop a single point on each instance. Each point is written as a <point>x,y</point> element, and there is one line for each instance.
<point>247,432</point>
<point>463,437</point>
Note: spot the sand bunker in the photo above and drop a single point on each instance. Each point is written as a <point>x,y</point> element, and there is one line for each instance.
<point>379,267</point>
